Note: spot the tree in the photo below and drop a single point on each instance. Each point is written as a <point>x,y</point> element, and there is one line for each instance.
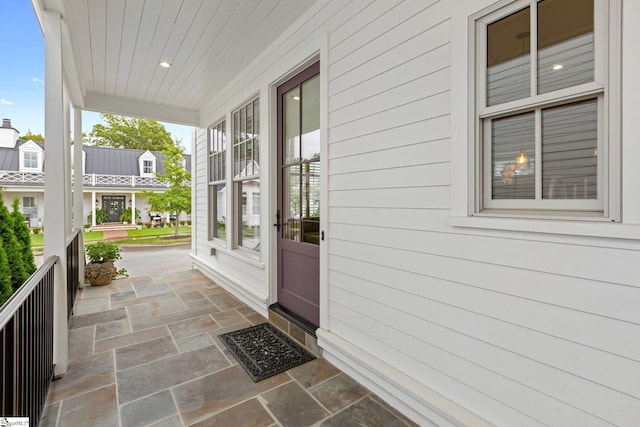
<point>130,132</point>
<point>177,198</point>
<point>33,137</point>
<point>21,231</point>
<point>12,248</point>
<point>5,276</point>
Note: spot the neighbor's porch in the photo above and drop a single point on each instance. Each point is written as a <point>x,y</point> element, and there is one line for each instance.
<point>144,351</point>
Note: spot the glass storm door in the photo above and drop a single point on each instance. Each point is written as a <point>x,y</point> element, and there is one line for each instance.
<point>299,195</point>
<point>113,206</point>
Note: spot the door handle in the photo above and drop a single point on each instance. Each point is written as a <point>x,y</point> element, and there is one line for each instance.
<point>277,224</point>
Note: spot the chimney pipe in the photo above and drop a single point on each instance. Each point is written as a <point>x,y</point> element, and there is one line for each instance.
<point>6,123</point>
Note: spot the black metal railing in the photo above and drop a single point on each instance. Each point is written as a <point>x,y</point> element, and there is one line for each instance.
<point>26,341</point>
<point>74,252</point>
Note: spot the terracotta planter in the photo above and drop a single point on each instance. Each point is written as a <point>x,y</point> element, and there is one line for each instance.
<point>100,274</point>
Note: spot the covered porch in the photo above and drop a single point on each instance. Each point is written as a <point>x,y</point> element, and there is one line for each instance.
<point>145,351</point>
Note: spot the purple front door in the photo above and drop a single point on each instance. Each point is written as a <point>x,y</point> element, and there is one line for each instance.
<point>299,194</point>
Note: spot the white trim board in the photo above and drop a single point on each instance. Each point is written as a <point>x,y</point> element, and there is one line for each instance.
<point>420,403</point>
<point>251,297</point>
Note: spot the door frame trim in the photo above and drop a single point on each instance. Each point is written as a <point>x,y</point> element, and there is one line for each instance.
<point>319,54</point>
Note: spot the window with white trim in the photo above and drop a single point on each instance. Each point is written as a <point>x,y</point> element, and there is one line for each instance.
<point>30,160</point>
<point>542,116</point>
<point>29,207</point>
<point>246,174</point>
<point>217,181</point>
<point>147,167</point>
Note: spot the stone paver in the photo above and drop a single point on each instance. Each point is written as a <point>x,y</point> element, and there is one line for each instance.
<point>145,352</point>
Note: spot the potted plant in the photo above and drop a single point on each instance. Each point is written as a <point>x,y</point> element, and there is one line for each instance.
<point>100,270</point>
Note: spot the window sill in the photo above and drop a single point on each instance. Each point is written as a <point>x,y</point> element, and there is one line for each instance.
<point>240,254</point>
<point>589,227</point>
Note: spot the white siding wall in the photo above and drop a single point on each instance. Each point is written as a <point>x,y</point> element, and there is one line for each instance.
<point>523,329</point>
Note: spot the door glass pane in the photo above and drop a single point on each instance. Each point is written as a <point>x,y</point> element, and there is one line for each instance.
<point>250,120</point>
<point>311,119</point>
<point>249,232</point>
<point>513,149</point>
<point>243,124</point>
<point>291,203</point>
<point>291,126</point>
<point>311,202</point>
<point>569,151</point>
<point>565,44</point>
<point>236,127</point>
<point>219,211</point>
<point>508,59</point>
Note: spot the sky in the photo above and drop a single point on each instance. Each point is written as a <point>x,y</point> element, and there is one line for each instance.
<point>22,75</point>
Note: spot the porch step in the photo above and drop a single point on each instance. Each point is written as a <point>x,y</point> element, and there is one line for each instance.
<point>113,226</point>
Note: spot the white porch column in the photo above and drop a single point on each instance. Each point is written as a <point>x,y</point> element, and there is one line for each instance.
<point>55,183</point>
<point>93,208</point>
<point>68,206</point>
<point>78,195</point>
<point>134,220</point>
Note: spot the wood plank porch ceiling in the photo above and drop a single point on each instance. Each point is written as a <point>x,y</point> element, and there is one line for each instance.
<point>118,45</point>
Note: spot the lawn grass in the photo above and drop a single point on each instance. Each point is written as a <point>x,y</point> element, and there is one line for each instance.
<point>155,240</point>
<point>143,236</point>
<point>160,231</point>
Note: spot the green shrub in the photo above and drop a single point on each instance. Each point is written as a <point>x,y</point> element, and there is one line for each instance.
<point>101,216</point>
<point>21,231</point>
<point>5,276</point>
<point>125,216</point>
<point>102,252</point>
<point>12,248</point>
<point>147,225</point>
<point>35,230</point>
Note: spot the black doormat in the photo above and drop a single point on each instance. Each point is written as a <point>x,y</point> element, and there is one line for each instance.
<point>264,351</point>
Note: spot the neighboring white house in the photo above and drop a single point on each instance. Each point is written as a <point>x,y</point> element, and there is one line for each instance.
<point>113,178</point>
<point>447,190</point>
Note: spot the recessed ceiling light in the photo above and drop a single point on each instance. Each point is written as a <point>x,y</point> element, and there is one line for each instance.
<point>557,67</point>
<point>165,64</point>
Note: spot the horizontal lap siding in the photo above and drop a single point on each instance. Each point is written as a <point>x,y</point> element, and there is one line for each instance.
<point>521,329</point>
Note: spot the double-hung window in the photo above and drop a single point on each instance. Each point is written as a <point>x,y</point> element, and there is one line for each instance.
<point>217,181</point>
<point>30,160</point>
<point>147,167</point>
<point>542,116</point>
<point>246,174</point>
<point>29,207</point>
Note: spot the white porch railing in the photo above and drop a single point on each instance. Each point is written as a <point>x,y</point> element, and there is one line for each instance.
<point>88,180</point>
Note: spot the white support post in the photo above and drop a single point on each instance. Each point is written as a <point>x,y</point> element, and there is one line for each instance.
<point>78,196</point>
<point>68,205</point>
<point>93,208</point>
<point>55,184</point>
<point>134,220</point>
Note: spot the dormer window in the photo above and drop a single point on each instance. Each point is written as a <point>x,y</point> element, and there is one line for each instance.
<point>30,160</point>
<point>147,166</point>
<point>31,157</point>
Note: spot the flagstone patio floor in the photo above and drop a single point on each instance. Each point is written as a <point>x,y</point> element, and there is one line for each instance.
<point>144,351</point>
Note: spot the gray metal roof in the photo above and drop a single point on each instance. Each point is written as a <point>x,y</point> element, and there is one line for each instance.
<point>10,157</point>
<point>120,161</point>
<point>99,160</point>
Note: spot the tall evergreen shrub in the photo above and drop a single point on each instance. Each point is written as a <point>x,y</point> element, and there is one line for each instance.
<point>21,231</point>
<point>5,276</point>
<point>12,248</point>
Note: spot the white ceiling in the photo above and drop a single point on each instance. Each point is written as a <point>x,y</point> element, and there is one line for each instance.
<point>117,46</point>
